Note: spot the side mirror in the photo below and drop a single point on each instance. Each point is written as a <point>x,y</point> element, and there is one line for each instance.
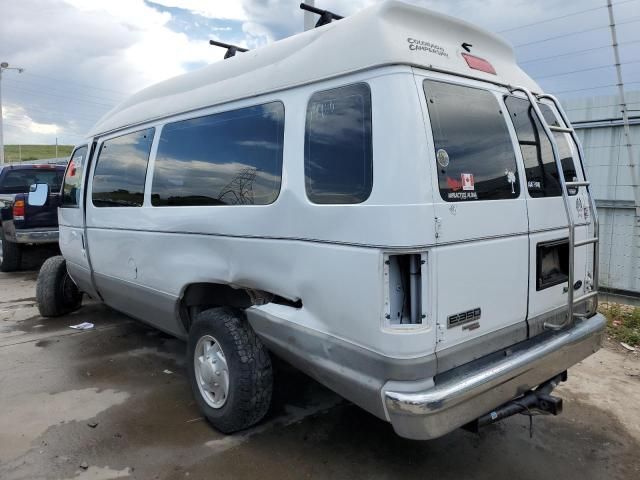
<point>38,194</point>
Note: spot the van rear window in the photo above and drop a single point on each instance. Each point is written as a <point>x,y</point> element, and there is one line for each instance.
<point>119,178</point>
<point>229,158</point>
<point>337,148</point>
<point>473,149</point>
<point>540,166</point>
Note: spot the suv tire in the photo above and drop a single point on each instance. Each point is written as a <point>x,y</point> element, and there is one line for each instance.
<point>56,294</point>
<point>229,369</point>
<point>10,255</point>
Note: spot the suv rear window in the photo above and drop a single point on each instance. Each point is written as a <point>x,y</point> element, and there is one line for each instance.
<point>474,151</point>
<point>337,148</point>
<point>119,178</point>
<point>540,166</point>
<point>19,181</point>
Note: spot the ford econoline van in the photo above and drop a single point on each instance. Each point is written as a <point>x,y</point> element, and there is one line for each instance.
<point>386,201</point>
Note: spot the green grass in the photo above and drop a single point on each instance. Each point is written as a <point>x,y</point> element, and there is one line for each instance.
<point>623,322</point>
<point>34,152</point>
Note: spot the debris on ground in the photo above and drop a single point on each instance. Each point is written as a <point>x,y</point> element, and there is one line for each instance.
<point>92,424</point>
<point>168,372</point>
<point>84,465</point>
<point>82,326</point>
<point>623,324</point>
<point>628,347</point>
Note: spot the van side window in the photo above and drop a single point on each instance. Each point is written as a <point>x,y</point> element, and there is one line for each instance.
<point>338,148</point>
<point>540,166</point>
<point>120,173</point>
<point>473,148</point>
<point>229,158</point>
<point>73,178</point>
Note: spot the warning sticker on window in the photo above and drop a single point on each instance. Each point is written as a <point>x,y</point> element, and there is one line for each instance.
<point>467,181</point>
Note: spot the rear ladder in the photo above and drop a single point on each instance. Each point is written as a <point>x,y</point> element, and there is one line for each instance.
<point>549,129</point>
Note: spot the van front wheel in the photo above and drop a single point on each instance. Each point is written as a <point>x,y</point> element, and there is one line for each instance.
<point>229,370</point>
<point>56,294</point>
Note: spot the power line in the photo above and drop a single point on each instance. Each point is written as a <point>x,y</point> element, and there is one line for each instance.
<point>574,52</point>
<point>85,85</point>
<point>61,91</point>
<point>569,34</point>
<point>65,97</point>
<point>592,88</point>
<point>600,106</point>
<point>600,67</point>
<point>579,12</point>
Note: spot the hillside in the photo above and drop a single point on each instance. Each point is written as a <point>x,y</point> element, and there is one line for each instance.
<point>34,152</point>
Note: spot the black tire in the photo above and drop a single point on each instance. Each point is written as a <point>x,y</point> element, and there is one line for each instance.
<point>250,376</point>
<point>10,255</point>
<point>56,294</point>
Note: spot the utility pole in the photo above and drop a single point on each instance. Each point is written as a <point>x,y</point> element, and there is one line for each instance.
<point>56,147</point>
<point>635,178</point>
<point>4,66</point>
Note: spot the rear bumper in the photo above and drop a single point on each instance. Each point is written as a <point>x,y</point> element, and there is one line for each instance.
<point>37,236</point>
<point>467,392</point>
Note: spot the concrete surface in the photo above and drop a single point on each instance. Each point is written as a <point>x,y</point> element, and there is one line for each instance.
<point>114,402</point>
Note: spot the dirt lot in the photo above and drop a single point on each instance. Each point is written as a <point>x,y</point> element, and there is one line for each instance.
<point>114,402</point>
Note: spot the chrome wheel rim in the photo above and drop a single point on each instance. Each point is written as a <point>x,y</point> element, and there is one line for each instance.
<point>212,373</point>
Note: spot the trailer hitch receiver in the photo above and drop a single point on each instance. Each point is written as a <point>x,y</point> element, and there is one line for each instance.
<point>538,400</point>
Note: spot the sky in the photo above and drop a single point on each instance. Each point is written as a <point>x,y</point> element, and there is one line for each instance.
<point>82,57</point>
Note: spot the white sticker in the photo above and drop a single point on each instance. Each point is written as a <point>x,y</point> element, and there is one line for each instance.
<point>467,181</point>
<point>511,178</point>
<point>443,157</point>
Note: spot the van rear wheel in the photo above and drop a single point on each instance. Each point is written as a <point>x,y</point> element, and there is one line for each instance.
<point>10,255</point>
<point>56,293</point>
<point>229,370</point>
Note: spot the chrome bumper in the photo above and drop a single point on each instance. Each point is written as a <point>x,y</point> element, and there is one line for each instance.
<point>467,393</point>
<point>37,236</point>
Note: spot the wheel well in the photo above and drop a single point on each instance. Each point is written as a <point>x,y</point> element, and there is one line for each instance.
<point>202,296</point>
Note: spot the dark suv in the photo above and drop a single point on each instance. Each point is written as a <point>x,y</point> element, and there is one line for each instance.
<point>21,223</point>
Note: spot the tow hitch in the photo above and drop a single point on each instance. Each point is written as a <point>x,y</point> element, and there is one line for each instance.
<point>532,402</point>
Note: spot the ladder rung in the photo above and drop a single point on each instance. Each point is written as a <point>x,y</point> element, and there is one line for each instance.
<point>553,128</point>
<point>577,184</point>
<point>585,297</point>
<point>586,242</point>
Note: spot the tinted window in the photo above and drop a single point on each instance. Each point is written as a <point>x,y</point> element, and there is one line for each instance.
<point>338,153</point>
<point>19,181</point>
<point>73,178</point>
<point>540,166</point>
<point>474,152</point>
<point>119,177</point>
<point>230,158</point>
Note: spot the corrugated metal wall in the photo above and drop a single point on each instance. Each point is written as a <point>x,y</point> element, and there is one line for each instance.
<point>599,126</point>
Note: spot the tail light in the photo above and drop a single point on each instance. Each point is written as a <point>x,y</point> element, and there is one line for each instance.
<point>18,210</point>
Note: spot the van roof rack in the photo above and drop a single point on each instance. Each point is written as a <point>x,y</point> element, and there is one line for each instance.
<point>231,49</point>
<point>325,15</point>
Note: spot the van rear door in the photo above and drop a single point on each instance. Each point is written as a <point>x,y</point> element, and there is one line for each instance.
<point>481,256</point>
<point>548,223</point>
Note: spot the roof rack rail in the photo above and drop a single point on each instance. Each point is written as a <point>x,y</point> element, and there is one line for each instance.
<point>325,15</point>
<point>231,49</point>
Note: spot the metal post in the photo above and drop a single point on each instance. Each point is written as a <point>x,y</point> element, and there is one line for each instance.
<point>4,66</point>
<point>625,116</point>
<point>1,126</point>
<point>309,17</point>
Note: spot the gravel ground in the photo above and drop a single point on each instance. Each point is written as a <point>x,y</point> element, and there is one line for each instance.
<point>114,402</point>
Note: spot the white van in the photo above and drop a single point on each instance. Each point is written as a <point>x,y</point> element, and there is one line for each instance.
<point>376,200</point>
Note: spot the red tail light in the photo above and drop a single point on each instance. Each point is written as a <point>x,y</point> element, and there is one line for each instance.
<point>18,210</point>
<point>478,63</point>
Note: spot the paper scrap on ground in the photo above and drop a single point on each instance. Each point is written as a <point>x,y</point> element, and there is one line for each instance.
<point>168,372</point>
<point>82,326</point>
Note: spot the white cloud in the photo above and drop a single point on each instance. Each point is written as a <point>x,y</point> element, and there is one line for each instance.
<point>17,118</point>
<point>221,9</point>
